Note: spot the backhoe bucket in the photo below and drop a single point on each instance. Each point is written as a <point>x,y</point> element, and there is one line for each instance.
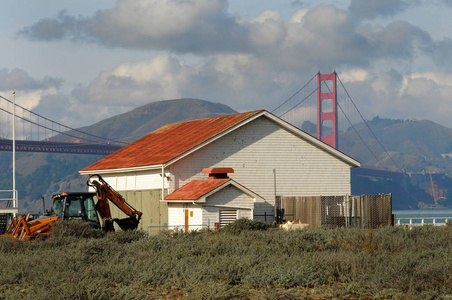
<point>127,223</point>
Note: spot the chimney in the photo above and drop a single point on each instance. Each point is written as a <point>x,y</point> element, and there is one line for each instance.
<point>217,173</point>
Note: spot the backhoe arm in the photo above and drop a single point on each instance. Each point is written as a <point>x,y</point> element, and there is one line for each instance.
<point>104,193</point>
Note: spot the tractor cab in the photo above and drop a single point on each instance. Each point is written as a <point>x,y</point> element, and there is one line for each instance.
<point>76,206</point>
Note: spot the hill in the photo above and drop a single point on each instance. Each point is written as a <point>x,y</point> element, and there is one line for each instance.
<point>135,124</point>
<point>416,147</point>
<point>43,174</point>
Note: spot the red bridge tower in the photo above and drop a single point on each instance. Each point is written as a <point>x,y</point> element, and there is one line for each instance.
<point>327,108</point>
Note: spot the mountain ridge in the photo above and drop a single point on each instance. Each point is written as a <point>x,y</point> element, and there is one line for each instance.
<point>45,174</point>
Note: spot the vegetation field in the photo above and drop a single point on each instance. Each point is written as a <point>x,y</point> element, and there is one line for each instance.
<point>242,261</point>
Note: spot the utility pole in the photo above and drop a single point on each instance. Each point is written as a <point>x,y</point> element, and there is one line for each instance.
<point>14,153</point>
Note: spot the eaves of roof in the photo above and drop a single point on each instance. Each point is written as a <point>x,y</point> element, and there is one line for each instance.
<point>169,142</point>
<point>198,190</point>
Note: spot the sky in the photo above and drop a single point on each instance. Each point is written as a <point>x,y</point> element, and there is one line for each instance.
<point>78,62</point>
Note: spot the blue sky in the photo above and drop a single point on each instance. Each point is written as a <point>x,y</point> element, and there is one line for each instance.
<point>82,61</point>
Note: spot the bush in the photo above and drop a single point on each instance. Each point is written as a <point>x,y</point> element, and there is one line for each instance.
<point>126,236</point>
<point>77,229</point>
<point>240,261</point>
<point>245,224</point>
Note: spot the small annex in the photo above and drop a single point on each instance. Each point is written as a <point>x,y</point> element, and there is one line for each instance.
<point>212,202</point>
<point>269,156</point>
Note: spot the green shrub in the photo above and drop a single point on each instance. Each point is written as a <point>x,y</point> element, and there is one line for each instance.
<point>318,263</point>
<point>243,224</point>
<point>78,229</point>
<point>125,237</point>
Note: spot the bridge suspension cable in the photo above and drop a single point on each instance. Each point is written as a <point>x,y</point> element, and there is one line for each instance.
<point>347,140</point>
<point>368,127</point>
<point>296,93</point>
<point>66,129</point>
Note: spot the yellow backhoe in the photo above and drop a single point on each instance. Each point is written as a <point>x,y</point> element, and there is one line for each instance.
<point>84,206</point>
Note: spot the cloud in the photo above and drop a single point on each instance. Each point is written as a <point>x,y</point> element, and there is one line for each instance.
<point>370,9</point>
<point>28,90</point>
<point>17,79</point>
<point>448,2</point>
<point>248,63</point>
<point>397,40</point>
<point>317,38</point>
<point>297,3</point>
<point>442,54</point>
<point>64,26</point>
<point>132,84</point>
<point>185,26</point>
<point>391,94</point>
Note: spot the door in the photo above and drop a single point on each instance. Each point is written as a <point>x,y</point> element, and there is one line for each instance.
<point>186,219</point>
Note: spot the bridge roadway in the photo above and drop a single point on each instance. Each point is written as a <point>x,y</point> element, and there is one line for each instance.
<point>58,147</point>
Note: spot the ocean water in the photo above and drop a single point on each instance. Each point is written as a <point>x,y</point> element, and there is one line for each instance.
<point>440,215</point>
<point>423,213</point>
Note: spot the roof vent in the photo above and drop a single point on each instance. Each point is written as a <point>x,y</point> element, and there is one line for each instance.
<point>217,173</point>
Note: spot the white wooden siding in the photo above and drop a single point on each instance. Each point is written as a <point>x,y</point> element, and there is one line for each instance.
<point>254,150</point>
<point>210,216</point>
<point>176,216</point>
<point>244,213</point>
<point>195,221</point>
<point>230,196</point>
<point>136,181</point>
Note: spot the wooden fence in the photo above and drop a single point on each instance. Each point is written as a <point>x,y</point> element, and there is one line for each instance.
<point>366,211</point>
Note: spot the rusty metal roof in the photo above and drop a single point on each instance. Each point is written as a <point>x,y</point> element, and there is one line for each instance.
<point>169,142</point>
<point>196,189</point>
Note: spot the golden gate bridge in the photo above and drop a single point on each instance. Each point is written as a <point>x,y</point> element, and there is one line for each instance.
<point>322,108</point>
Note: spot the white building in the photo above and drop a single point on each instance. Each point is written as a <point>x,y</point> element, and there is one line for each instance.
<point>210,203</point>
<point>269,157</point>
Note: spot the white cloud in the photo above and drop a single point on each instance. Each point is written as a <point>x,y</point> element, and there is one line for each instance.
<point>257,62</point>
<point>132,84</point>
<point>354,75</point>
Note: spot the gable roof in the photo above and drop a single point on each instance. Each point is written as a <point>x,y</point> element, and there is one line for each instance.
<point>198,190</point>
<point>173,141</point>
<point>168,142</point>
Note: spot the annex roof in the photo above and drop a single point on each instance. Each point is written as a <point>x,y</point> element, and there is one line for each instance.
<point>173,141</point>
<point>195,189</point>
<point>198,190</point>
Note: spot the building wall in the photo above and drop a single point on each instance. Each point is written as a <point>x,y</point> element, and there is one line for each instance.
<point>143,191</point>
<point>230,196</point>
<point>155,212</point>
<point>207,214</point>
<point>133,181</point>
<point>176,216</point>
<point>258,148</point>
